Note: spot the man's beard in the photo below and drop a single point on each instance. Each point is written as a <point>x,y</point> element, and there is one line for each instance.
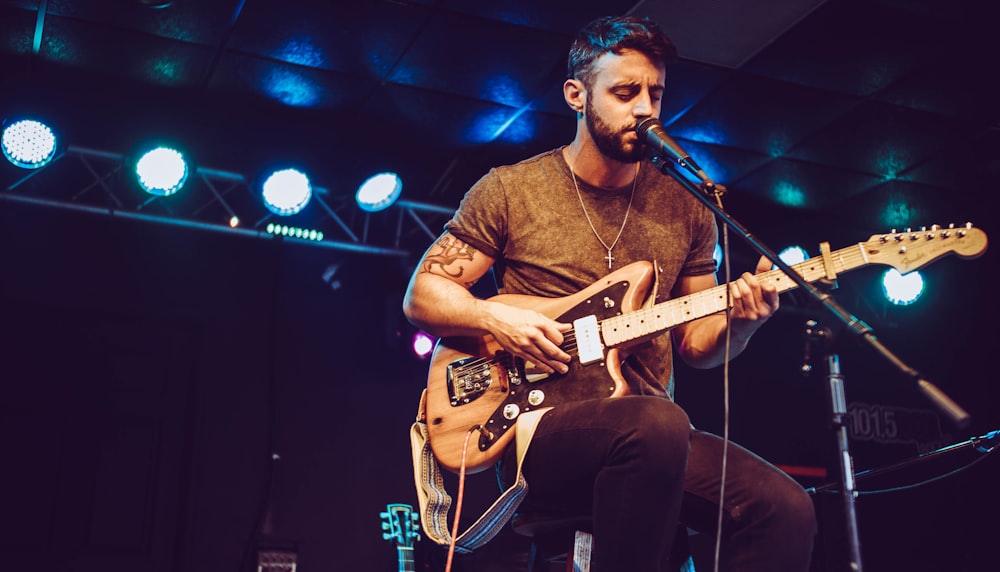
<point>611,143</point>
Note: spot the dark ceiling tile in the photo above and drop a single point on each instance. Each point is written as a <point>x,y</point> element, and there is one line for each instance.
<point>943,90</point>
<point>970,168</point>
<point>561,16</point>
<point>725,164</point>
<point>289,84</point>
<point>427,113</point>
<point>849,46</point>
<point>803,185</point>
<point>202,22</point>
<point>687,83</point>
<point>482,59</point>
<point>363,38</point>
<point>903,205</point>
<point>124,53</point>
<point>952,82</point>
<point>17,29</point>
<point>881,140</point>
<point>761,115</point>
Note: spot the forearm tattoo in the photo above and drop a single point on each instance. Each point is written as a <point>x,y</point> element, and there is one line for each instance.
<point>450,252</point>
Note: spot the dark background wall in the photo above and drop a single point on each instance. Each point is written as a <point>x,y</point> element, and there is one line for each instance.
<point>151,374</point>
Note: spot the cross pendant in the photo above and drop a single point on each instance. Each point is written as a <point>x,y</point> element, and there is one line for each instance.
<point>610,259</point>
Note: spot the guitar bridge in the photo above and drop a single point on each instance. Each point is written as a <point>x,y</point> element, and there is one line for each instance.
<point>468,379</point>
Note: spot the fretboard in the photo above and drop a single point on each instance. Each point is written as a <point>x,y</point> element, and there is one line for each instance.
<point>405,554</point>
<point>661,317</point>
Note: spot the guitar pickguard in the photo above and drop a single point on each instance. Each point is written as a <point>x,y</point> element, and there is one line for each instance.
<point>529,391</point>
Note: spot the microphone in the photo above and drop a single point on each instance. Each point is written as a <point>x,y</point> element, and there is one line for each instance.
<point>650,130</point>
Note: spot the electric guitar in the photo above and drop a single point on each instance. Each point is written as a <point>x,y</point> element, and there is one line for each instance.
<point>399,524</point>
<point>473,382</point>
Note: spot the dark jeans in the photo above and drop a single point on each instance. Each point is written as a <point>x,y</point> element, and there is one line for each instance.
<point>639,468</point>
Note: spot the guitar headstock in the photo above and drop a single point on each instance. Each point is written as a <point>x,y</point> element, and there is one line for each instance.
<point>909,250</point>
<point>399,525</point>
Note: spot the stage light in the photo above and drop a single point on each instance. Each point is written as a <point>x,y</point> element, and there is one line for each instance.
<point>294,232</point>
<point>379,192</point>
<point>793,255</point>
<point>161,171</point>
<point>28,144</point>
<point>422,344</point>
<point>902,289</point>
<point>286,192</point>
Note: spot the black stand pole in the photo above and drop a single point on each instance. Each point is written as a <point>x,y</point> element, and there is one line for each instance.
<point>837,402</point>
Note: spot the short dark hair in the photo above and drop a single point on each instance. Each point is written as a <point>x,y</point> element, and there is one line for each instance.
<point>616,34</point>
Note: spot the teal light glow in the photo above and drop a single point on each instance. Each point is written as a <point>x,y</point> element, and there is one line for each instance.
<point>164,70</point>
<point>295,232</point>
<point>789,194</point>
<point>898,212</point>
<point>890,163</point>
<point>777,145</point>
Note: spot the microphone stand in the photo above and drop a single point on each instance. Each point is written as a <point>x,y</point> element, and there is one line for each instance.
<point>706,191</point>
<point>837,402</point>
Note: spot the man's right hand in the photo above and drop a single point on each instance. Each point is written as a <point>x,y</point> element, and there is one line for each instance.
<point>529,335</point>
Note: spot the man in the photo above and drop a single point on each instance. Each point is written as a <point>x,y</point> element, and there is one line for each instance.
<point>554,224</point>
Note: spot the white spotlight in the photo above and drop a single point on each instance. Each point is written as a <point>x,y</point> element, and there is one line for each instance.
<point>161,171</point>
<point>28,144</point>
<point>423,344</point>
<point>902,289</point>
<point>286,192</point>
<point>379,192</point>
<point>793,255</point>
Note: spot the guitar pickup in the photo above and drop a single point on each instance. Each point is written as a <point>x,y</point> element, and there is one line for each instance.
<point>588,340</point>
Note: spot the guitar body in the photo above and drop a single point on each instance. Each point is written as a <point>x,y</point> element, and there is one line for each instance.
<point>472,382</point>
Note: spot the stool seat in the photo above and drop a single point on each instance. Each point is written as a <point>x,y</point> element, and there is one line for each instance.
<point>556,538</point>
<point>567,538</point>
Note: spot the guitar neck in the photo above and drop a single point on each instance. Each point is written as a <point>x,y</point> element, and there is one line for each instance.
<point>405,554</point>
<point>661,317</point>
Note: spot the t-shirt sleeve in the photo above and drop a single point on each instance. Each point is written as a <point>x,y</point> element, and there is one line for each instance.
<point>701,259</point>
<point>481,219</point>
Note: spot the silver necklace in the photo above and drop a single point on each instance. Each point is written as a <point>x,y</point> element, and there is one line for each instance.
<point>579,195</point>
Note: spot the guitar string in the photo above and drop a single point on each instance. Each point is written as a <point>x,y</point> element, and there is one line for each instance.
<point>569,345</point>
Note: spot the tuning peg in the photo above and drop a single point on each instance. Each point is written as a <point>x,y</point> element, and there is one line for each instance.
<point>386,536</point>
